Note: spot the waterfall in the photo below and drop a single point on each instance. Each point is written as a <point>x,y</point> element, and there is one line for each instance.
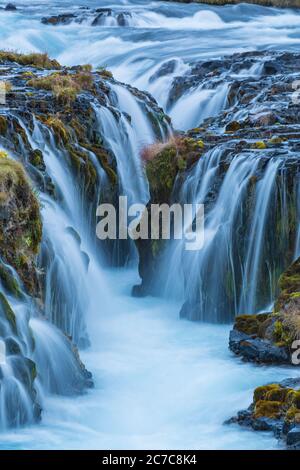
<point>249,235</point>
<point>126,129</point>
<point>129,122</point>
<point>43,344</point>
<point>201,103</point>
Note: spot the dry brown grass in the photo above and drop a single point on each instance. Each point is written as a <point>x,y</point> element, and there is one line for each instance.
<point>35,59</point>
<point>66,86</point>
<point>149,152</point>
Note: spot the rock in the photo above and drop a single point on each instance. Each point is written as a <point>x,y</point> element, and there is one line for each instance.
<point>123,18</point>
<point>258,350</point>
<point>268,338</point>
<point>289,285</point>
<point>233,126</point>
<point>275,408</point>
<point>270,68</point>
<point>293,436</point>
<point>165,69</point>
<point>263,424</point>
<point>102,13</point>
<point>21,225</point>
<point>63,19</point>
<point>10,7</point>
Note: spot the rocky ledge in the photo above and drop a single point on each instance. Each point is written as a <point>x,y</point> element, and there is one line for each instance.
<point>93,17</point>
<point>275,408</point>
<point>272,337</point>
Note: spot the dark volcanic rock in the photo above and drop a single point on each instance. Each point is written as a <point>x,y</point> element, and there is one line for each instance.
<point>64,18</point>
<point>86,15</point>
<point>256,349</point>
<point>293,437</point>
<point>10,7</point>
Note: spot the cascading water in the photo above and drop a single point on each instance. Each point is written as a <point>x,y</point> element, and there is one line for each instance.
<point>127,127</point>
<point>238,250</point>
<point>157,379</point>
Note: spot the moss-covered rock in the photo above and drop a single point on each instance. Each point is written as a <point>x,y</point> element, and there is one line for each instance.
<point>277,330</point>
<point>8,312</point>
<point>164,161</point>
<point>289,285</point>
<point>20,223</point>
<point>37,60</point>
<point>275,407</point>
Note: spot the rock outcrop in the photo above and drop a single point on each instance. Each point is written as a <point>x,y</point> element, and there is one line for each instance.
<point>93,17</point>
<point>20,223</point>
<point>272,337</point>
<point>275,408</point>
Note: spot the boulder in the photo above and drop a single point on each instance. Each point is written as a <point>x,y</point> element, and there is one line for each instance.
<point>10,7</point>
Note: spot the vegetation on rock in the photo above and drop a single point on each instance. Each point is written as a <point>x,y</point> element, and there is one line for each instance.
<point>281,327</point>
<point>66,86</point>
<point>20,222</point>
<point>164,160</point>
<point>35,59</point>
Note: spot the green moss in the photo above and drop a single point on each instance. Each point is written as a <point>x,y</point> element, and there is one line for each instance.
<point>268,409</point>
<point>247,324</point>
<point>275,141</point>
<point>36,158</point>
<point>289,286</point>
<point>260,145</point>
<point>60,131</point>
<point>165,160</point>
<point>277,394</point>
<point>9,282</point>
<point>21,234</point>
<point>274,401</point>
<point>261,392</point>
<point>251,324</point>
<point>3,125</point>
<point>82,164</point>
<point>103,159</point>
<point>8,312</point>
